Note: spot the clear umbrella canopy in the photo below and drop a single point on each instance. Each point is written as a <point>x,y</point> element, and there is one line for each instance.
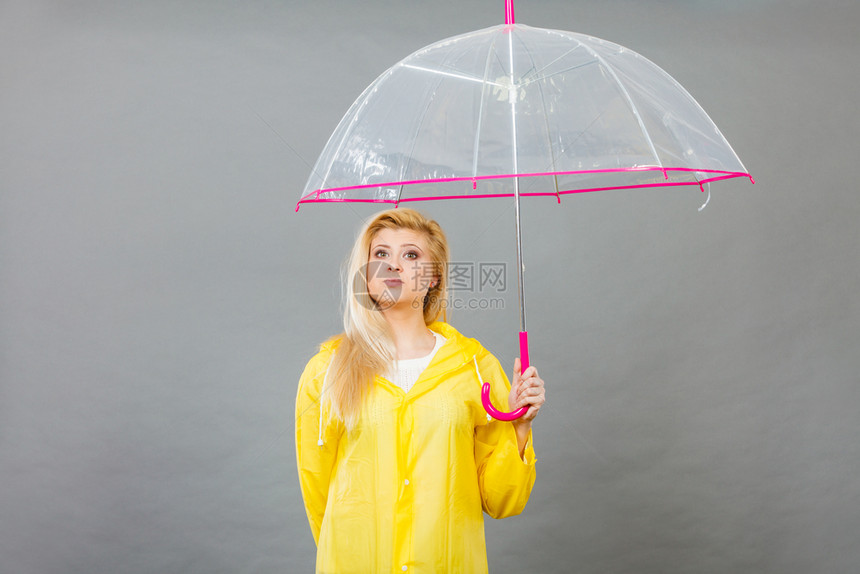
<point>562,112</point>
<point>518,111</point>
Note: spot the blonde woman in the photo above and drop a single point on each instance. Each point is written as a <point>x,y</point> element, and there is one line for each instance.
<point>397,458</point>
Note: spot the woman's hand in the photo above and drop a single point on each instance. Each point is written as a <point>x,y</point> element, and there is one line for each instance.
<point>526,389</point>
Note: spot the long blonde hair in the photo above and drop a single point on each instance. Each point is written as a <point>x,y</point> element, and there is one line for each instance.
<point>366,346</point>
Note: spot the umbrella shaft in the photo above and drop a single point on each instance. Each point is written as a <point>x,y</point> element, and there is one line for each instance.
<point>513,97</point>
<point>520,266</point>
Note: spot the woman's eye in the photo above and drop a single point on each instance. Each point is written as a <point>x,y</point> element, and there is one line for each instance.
<point>380,254</point>
<point>412,255</point>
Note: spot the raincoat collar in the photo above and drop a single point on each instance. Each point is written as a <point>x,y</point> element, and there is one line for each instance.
<point>457,351</point>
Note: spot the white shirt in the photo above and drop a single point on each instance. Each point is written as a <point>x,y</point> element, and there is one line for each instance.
<point>407,371</point>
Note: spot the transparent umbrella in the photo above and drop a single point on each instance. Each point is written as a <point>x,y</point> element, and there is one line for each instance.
<point>513,111</point>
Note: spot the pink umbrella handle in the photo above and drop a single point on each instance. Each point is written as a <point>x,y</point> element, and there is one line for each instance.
<point>485,388</point>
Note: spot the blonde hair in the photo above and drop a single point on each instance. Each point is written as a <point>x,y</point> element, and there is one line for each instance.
<point>366,346</point>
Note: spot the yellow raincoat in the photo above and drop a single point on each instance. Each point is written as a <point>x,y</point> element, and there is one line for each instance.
<point>404,491</point>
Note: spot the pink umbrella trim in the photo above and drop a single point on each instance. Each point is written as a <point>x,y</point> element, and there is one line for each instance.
<point>314,196</point>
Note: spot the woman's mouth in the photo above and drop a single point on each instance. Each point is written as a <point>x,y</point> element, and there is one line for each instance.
<point>393,282</point>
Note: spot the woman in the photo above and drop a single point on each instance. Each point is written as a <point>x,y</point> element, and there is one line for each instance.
<point>396,456</point>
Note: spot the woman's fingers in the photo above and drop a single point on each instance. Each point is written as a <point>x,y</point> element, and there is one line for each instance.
<point>527,389</point>
<point>530,383</point>
<point>515,378</point>
<point>528,373</point>
<point>531,392</point>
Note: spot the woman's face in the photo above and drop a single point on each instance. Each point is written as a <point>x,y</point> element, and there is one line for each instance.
<point>399,270</point>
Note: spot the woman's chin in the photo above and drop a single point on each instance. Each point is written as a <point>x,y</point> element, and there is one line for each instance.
<point>402,304</point>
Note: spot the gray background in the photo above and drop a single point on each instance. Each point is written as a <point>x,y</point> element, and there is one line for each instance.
<point>160,297</point>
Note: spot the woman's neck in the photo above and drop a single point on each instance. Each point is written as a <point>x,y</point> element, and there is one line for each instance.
<point>411,336</point>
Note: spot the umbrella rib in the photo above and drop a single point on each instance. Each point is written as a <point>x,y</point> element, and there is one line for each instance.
<point>545,114</point>
<point>450,74</point>
<point>627,97</point>
<point>536,79</point>
<point>702,111</point>
<point>418,124</point>
<point>353,112</point>
<point>696,130</point>
<point>553,62</point>
<point>484,85</point>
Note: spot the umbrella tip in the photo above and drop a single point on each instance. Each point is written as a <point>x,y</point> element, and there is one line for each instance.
<point>509,12</point>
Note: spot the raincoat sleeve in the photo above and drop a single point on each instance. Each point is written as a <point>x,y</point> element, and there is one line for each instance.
<point>316,448</point>
<point>505,479</point>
